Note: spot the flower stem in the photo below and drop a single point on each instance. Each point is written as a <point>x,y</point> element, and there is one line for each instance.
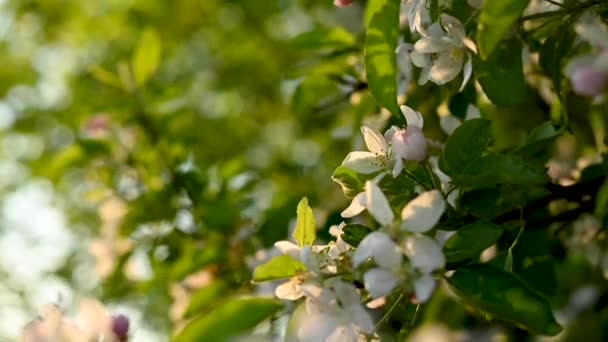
<point>388,313</point>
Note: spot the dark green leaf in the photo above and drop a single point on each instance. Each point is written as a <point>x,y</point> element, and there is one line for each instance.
<point>234,317</point>
<point>280,266</point>
<point>505,296</point>
<point>354,233</point>
<point>501,169</point>
<point>470,240</point>
<point>495,21</point>
<point>502,76</point>
<point>380,60</point>
<point>465,145</point>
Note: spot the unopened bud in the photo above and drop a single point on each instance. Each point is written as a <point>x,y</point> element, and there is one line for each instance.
<point>343,3</point>
<point>120,327</point>
<point>589,81</point>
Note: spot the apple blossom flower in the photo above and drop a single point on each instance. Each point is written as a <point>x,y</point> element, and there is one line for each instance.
<point>442,51</point>
<point>417,14</point>
<point>374,201</point>
<point>339,247</point>
<point>334,313</point>
<point>291,289</point>
<point>369,162</point>
<point>407,143</point>
<point>425,256</point>
<point>343,3</point>
<point>378,246</point>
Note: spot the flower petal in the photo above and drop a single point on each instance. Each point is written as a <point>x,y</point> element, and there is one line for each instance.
<point>467,71</point>
<point>472,112</point>
<point>452,26</point>
<point>381,248</point>
<point>398,167</point>
<point>424,253</point>
<point>412,117</point>
<point>379,282</point>
<point>374,140</point>
<point>420,60</point>
<point>423,212</point>
<point>289,248</point>
<point>356,206</point>
<point>449,123</point>
<point>432,45</point>
<point>362,162</point>
<point>289,290</point>
<point>447,66</point>
<point>423,287</point>
<point>377,204</point>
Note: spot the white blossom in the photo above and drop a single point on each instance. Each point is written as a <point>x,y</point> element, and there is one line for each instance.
<point>334,313</point>
<point>423,212</point>
<point>369,161</point>
<point>378,246</point>
<point>425,256</point>
<point>309,256</point>
<point>374,201</point>
<point>444,52</point>
<point>417,14</point>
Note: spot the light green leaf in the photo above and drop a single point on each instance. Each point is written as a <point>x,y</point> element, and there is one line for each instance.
<point>380,59</point>
<point>505,296</point>
<point>281,266</point>
<point>348,180</point>
<point>203,298</point>
<point>470,240</point>
<point>306,229</point>
<point>322,37</point>
<point>502,75</point>
<point>147,56</point>
<point>495,21</point>
<point>234,317</point>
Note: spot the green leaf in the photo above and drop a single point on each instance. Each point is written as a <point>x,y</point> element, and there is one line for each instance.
<point>553,51</point>
<point>380,59</point>
<point>540,141</point>
<point>354,233</point>
<point>305,232</point>
<point>322,37</point>
<point>496,169</point>
<point>466,144</point>
<point>470,240</point>
<point>203,298</point>
<point>280,266</point>
<point>348,180</point>
<point>502,76</point>
<point>505,296</point>
<point>495,21</point>
<point>488,203</point>
<point>234,317</point>
<point>146,57</point>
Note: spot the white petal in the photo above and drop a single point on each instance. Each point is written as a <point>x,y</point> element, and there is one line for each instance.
<point>469,44</point>
<point>432,45</point>
<point>449,123</point>
<point>362,319</point>
<point>398,167</point>
<point>412,117</point>
<point>316,327</point>
<point>467,71</point>
<point>404,48</point>
<point>423,287</point>
<point>420,60</point>
<point>435,30</point>
<point>388,135</point>
<point>377,204</point>
<point>379,282</point>
<point>424,253</point>
<point>289,290</point>
<point>452,25</point>
<point>423,212</point>
<point>346,293</point>
<point>362,162</point>
<point>356,206</point>
<point>472,112</point>
<point>447,66</point>
<point>289,248</point>
<point>381,248</point>
<point>374,140</point>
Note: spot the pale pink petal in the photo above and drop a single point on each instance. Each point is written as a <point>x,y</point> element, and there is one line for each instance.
<point>412,117</point>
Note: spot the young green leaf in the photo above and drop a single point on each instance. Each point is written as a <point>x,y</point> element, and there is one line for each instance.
<point>280,266</point>
<point>322,37</point>
<point>495,21</point>
<point>305,232</point>
<point>234,317</point>
<point>505,296</point>
<point>348,180</point>
<point>470,240</point>
<point>146,57</point>
<point>380,60</point>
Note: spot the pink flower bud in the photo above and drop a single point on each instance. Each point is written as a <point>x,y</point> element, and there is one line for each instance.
<point>120,327</point>
<point>409,143</point>
<point>343,3</point>
<point>589,81</point>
